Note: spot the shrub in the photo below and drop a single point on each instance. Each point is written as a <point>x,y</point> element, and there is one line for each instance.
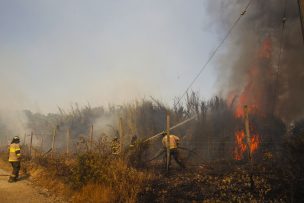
<point>106,176</point>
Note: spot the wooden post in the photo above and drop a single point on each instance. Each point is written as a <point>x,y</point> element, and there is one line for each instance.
<point>53,141</point>
<point>301,8</point>
<point>208,148</point>
<point>168,140</point>
<point>91,138</point>
<point>68,135</point>
<point>24,139</point>
<point>247,131</point>
<point>31,143</point>
<point>121,136</point>
<point>41,144</point>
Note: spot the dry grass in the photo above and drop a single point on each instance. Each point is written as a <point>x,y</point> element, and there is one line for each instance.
<point>4,164</point>
<point>88,177</point>
<point>93,193</point>
<point>124,186</point>
<point>47,178</point>
<point>85,177</point>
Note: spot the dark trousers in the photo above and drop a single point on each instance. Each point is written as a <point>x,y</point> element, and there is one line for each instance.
<point>175,154</point>
<point>16,168</point>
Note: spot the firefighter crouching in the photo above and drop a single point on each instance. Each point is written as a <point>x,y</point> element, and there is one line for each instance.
<point>173,146</point>
<point>14,158</point>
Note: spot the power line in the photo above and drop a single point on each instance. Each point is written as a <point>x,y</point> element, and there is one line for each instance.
<point>282,39</point>
<point>203,68</point>
<point>214,52</point>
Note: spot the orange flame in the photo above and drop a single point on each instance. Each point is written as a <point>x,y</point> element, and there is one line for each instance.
<point>241,147</point>
<point>254,143</point>
<point>254,94</point>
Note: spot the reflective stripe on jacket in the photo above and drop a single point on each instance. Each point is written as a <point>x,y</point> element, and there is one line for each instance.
<point>172,143</point>
<point>14,152</point>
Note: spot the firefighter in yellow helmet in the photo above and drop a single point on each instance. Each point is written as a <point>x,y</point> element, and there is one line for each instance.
<point>115,146</point>
<point>173,147</point>
<point>14,158</point>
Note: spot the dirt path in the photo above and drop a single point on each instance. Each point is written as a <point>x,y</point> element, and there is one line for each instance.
<point>22,191</point>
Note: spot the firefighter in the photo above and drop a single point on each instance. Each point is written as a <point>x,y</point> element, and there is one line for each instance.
<point>173,146</point>
<point>115,146</point>
<point>14,158</point>
<point>133,141</point>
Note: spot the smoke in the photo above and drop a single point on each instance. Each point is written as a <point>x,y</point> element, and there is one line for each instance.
<point>12,120</point>
<point>106,125</point>
<point>262,20</point>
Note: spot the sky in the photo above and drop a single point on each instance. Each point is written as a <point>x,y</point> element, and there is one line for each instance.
<point>55,53</point>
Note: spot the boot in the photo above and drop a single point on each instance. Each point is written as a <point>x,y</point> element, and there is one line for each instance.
<point>12,179</point>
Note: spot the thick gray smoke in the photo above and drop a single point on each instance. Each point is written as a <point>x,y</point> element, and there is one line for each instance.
<point>262,20</point>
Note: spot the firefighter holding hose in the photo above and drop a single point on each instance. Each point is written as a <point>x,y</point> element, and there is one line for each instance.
<point>173,147</point>
<point>14,158</point>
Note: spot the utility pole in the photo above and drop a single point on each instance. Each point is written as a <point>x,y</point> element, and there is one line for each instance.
<point>247,131</point>
<point>301,9</point>
<point>168,140</point>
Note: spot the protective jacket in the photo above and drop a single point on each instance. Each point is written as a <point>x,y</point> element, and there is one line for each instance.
<point>14,152</point>
<point>115,146</point>
<point>173,141</point>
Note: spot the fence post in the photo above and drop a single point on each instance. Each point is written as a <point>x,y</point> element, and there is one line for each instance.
<point>53,141</point>
<point>41,144</point>
<point>24,139</point>
<point>31,143</point>
<point>121,131</point>
<point>208,146</point>
<point>168,140</point>
<point>91,138</point>
<point>68,140</point>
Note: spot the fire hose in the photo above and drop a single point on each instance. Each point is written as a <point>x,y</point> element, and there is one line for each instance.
<point>47,152</point>
<point>191,152</point>
<point>173,127</point>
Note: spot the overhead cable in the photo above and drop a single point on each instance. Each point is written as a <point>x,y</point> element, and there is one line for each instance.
<point>214,52</point>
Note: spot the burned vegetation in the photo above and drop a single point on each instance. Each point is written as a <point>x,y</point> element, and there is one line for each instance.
<point>76,149</point>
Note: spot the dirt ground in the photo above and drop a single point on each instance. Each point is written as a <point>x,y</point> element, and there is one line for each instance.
<point>22,191</point>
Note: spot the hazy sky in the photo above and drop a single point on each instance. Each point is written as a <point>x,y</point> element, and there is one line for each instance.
<point>54,53</point>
